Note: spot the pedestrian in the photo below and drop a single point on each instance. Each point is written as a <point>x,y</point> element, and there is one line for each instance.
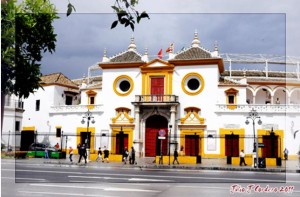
<point>286,153</point>
<point>82,153</point>
<point>106,154</point>
<point>175,157</point>
<point>132,156</point>
<point>125,155</point>
<point>99,155</point>
<point>71,154</point>
<point>242,158</point>
<point>46,153</point>
<point>56,146</point>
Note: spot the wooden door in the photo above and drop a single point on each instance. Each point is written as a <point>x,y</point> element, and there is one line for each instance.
<point>192,145</point>
<point>157,88</point>
<point>270,149</point>
<point>121,143</point>
<point>232,145</point>
<point>152,144</point>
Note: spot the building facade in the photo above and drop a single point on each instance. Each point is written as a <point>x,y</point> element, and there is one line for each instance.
<point>188,102</point>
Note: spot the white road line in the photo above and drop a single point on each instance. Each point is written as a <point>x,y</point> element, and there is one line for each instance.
<point>152,180</point>
<point>65,194</point>
<point>158,176</point>
<point>32,179</point>
<point>91,187</point>
<point>97,177</point>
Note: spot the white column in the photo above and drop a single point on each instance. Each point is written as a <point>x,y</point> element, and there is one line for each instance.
<point>137,123</point>
<point>172,120</point>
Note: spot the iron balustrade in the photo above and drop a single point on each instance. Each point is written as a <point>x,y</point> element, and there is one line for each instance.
<point>160,98</point>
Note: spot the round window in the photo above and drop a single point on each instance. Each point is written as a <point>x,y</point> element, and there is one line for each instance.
<point>192,83</point>
<point>123,85</point>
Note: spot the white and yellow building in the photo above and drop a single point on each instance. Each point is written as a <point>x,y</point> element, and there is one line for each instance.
<point>188,101</point>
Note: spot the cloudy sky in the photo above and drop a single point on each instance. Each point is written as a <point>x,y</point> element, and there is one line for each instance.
<point>243,27</point>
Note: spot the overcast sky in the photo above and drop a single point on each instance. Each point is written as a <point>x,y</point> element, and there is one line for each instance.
<point>251,27</point>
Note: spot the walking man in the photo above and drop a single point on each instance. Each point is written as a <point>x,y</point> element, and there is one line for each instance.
<point>99,155</point>
<point>71,154</point>
<point>132,156</point>
<point>106,154</point>
<point>46,153</point>
<point>242,158</point>
<point>125,155</point>
<point>286,153</point>
<point>82,153</point>
<point>175,157</point>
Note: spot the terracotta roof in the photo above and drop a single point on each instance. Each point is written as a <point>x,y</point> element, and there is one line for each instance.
<point>193,53</point>
<point>127,56</point>
<point>258,73</point>
<point>225,82</point>
<point>57,79</point>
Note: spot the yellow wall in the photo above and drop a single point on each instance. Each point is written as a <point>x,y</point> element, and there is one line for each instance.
<point>225,131</point>
<point>279,133</point>
<point>146,82</point>
<point>200,133</point>
<point>84,129</point>
<point>115,131</point>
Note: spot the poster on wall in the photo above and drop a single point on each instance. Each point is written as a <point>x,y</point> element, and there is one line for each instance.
<point>211,141</point>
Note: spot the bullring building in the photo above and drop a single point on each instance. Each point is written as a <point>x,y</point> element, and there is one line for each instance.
<point>187,101</point>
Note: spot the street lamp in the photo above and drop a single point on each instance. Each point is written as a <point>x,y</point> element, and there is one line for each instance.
<point>170,128</point>
<point>89,117</point>
<point>253,115</point>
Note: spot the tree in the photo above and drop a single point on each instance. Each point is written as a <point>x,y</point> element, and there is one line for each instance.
<point>27,33</point>
<point>126,13</point>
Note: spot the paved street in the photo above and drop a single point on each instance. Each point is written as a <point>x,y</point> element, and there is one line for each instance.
<point>33,177</point>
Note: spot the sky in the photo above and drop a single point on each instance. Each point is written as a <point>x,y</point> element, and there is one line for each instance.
<point>251,27</point>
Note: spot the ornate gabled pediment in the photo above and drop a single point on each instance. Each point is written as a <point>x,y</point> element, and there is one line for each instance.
<point>157,64</point>
<point>122,116</point>
<point>192,117</point>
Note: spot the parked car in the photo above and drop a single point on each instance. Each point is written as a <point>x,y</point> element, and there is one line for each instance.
<point>40,147</point>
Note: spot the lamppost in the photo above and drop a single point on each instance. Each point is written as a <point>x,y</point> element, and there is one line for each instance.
<point>253,115</point>
<point>170,129</point>
<point>88,116</point>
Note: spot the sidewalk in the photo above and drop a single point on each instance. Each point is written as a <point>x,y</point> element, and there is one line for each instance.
<point>291,166</point>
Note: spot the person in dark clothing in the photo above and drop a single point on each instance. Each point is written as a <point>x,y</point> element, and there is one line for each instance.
<point>82,153</point>
<point>175,157</point>
<point>132,156</point>
<point>106,154</point>
<point>125,155</point>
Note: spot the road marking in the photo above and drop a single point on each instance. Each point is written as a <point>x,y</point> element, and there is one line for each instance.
<point>65,194</point>
<point>152,180</point>
<point>32,179</point>
<point>96,187</point>
<point>161,176</point>
<point>127,179</point>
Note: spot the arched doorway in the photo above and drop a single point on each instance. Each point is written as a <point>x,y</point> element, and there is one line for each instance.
<point>152,144</point>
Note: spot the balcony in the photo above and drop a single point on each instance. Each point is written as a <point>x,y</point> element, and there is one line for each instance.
<point>75,108</point>
<point>157,99</point>
<point>261,108</point>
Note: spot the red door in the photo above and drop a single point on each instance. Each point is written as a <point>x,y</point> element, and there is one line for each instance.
<point>270,149</point>
<point>152,143</point>
<point>192,145</point>
<point>232,145</point>
<point>119,143</point>
<point>157,88</point>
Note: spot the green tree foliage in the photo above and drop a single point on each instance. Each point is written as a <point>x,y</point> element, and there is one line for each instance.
<point>126,13</point>
<point>27,33</point>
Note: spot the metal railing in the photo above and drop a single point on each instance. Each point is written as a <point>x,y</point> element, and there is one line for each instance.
<point>262,108</point>
<point>157,98</point>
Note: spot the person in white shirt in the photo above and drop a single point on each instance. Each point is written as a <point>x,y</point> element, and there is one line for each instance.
<point>242,158</point>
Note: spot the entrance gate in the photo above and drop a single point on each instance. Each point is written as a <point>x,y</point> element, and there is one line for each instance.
<point>154,124</point>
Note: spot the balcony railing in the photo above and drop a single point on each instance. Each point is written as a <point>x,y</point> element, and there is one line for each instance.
<point>262,108</point>
<point>156,98</point>
<point>75,108</point>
